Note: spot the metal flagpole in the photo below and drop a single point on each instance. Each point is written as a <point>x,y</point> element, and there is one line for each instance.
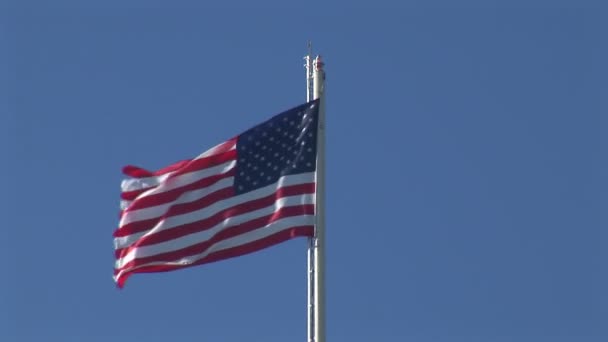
<point>315,89</point>
<point>318,241</point>
<point>310,251</point>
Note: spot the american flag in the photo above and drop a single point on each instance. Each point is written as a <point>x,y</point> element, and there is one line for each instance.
<point>248,193</point>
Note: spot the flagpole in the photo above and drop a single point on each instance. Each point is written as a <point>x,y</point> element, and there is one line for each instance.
<point>318,245</point>
<point>310,250</point>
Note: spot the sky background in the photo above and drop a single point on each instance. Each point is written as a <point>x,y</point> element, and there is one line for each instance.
<point>466,171</point>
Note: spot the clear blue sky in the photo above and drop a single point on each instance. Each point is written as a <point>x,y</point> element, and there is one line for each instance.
<point>467,163</point>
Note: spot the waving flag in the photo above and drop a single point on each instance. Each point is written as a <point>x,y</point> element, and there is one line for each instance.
<point>248,193</point>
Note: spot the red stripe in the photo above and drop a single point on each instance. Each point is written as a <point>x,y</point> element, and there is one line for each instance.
<point>251,247</point>
<point>138,172</point>
<point>195,165</point>
<point>225,233</point>
<point>190,228</point>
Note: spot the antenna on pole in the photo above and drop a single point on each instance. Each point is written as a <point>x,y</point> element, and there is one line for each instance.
<point>308,65</point>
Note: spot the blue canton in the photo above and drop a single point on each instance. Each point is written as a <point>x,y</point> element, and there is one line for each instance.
<point>284,145</point>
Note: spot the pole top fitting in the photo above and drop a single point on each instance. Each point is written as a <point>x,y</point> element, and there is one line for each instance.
<point>318,63</point>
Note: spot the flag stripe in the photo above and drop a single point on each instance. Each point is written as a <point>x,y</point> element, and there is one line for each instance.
<point>141,173</point>
<point>180,259</point>
<point>131,188</point>
<point>221,244</point>
<point>157,211</point>
<point>173,196</point>
<point>134,184</point>
<point>200,163</point>
<point>170,252</point>
<point>197,207</point>
<point>201,230</point>
<point>190,223</point>
<point>134,187</point>
<point>171,192</point>
<point>246,248</point>
<point>124,204</point>
<point>200,169</point>
<point>153,179</point>
<point>136,230</point>
<point>305,181</point>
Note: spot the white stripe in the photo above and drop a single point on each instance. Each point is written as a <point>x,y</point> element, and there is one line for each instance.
<point>198,237</point>
<point>258,234</point>
<point>198,215</point>
<point>133,184</point>
<point>124,204</point>
<point>186,197</point>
